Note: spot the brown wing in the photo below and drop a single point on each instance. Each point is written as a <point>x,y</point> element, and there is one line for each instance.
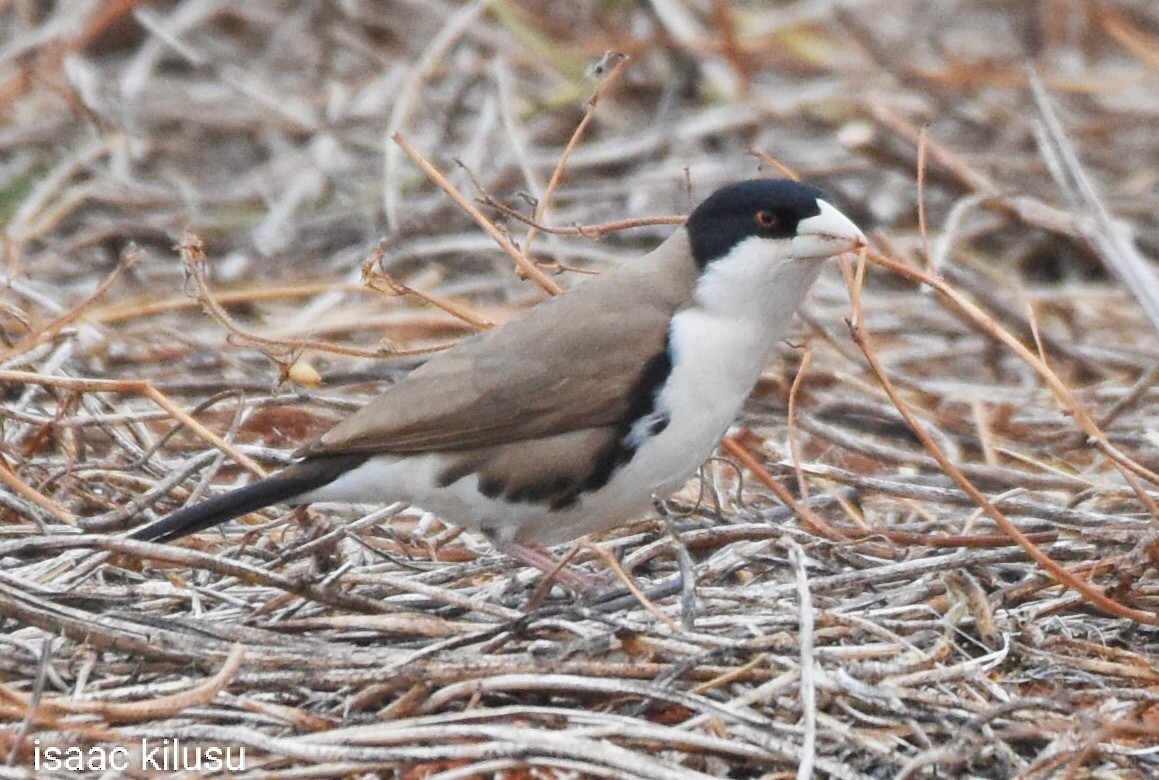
<point>566,365</point>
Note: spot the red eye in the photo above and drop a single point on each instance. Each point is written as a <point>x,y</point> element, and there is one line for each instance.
<point>766,219</point>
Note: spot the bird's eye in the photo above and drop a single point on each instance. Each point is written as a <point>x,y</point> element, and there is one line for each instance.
<point>766,219</point>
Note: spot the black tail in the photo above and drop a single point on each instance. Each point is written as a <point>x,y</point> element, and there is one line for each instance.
<point>285,485</point>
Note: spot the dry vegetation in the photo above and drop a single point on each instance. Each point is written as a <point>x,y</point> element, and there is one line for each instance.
<point>978,600</point>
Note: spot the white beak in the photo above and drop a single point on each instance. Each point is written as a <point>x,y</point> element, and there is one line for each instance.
<point>827,234</point>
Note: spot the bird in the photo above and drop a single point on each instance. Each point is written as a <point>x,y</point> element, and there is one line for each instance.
<point>576,416</point>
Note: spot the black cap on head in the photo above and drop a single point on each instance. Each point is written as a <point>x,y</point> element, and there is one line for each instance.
<point>770,208</point>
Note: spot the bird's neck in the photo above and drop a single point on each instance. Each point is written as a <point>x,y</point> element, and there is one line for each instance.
<point>759,293</point>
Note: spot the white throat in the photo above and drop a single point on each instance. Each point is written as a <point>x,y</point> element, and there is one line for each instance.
<point>760,284</point>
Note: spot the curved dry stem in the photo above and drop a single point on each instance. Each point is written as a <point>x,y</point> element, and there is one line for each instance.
<point>136,387</point>
<point>864,341</point>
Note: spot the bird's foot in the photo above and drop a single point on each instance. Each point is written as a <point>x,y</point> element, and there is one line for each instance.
<point>556,569</point>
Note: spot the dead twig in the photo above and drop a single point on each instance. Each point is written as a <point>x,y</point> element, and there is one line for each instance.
<point>608,71</point>
<point>192,250</point>
<point>141,388</point>
<point>809,517</point>
<point>861,337</point>
<point>53,329</point>
<point>51,711</point>
<point>523,262</point>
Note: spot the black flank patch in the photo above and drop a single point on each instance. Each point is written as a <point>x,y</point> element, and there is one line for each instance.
<point>557,492</point>
<point>548,490</point>
<point>490,487</point>
<point>641,403</point>
<point>455,472</point>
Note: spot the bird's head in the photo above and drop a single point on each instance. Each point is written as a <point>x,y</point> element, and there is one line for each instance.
<point>760,244</point>
<point>795,219</point>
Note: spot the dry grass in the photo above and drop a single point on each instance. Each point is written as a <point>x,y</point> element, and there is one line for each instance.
<point>965,586</point>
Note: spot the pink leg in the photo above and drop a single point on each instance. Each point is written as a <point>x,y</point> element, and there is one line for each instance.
<point>534,555</point>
